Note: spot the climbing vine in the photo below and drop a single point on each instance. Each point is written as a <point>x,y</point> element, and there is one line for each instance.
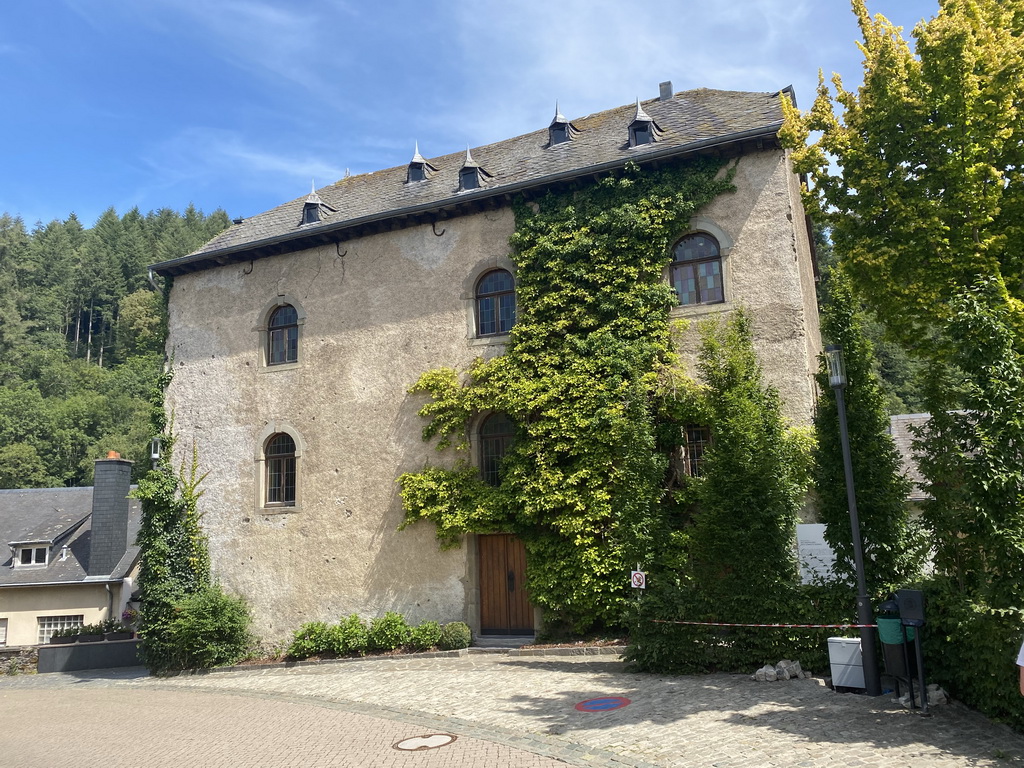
<point>187,621</point>
<point>589,377</point>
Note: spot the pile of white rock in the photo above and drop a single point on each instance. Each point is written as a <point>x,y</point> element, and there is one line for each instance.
<point>784,670</point>
<point>936,696</point>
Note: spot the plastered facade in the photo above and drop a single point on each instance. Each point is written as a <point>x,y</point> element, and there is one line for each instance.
<point>22,607</point>
<point>374,314</point>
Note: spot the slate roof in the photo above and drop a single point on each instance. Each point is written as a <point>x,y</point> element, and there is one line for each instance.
<point>899,428</point>
<point>58,515</point>
<point>694,121</point>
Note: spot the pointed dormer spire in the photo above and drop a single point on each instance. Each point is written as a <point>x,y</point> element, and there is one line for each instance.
<point>313,198</point>
<point>314,209</point>
<point>471,174</point>
<point>560,130</point>
<point>419,169</point>
<point>643,129</point>
<point>641,116</point>
<point>558,118</point>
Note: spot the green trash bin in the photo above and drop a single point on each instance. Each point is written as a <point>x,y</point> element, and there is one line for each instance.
<point>899,657</point>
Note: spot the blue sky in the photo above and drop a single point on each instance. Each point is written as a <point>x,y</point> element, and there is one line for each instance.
<point>238,104</point>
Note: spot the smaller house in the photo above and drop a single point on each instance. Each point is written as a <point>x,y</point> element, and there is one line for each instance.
<point>73,558</point>
<point>902,428</point>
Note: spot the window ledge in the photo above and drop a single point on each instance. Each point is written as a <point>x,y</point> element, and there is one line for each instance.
<point>282,510</point>
<point>498,339</point>
<point>697,310</point>
<point>280,367</point>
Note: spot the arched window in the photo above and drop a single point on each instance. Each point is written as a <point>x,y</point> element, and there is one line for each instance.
<point>696,271</point>
<point>280,462</point>
<point>283,336</point>
<point>496,435</point>
<point>495,303</point>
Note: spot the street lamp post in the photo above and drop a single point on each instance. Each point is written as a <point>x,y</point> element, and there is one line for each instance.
<point>837,380</point>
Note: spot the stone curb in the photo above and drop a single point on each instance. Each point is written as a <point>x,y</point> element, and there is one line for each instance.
<point>317,662</point>
<point>588,650</point>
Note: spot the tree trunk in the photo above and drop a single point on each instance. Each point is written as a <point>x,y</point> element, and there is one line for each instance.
<point>88,343</point>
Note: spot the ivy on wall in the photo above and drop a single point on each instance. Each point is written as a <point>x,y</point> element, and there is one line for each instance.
<point>590,378</point>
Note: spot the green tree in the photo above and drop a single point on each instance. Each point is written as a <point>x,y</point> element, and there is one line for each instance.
<point>890,548</point>
<point>921,178</point>
<point>752,485</point>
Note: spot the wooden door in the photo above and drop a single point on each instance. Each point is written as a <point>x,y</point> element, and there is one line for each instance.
<point>504,605</point>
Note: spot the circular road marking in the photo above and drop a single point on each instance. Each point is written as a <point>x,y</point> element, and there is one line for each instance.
<point>603,704</point>
<point>430,741</point>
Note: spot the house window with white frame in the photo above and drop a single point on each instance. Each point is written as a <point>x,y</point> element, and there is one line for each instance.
<point>31,555</point>
<point>47,625</point>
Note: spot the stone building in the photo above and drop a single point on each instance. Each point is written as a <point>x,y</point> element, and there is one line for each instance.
<point>296,334</point>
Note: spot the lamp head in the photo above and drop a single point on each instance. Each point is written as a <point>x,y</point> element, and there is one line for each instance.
<point>836,367</point>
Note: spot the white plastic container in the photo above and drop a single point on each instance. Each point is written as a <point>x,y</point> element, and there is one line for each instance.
<point>844,657</point>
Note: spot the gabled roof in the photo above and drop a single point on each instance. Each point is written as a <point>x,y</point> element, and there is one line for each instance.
<point>691,122</point>
<point>58,515</point>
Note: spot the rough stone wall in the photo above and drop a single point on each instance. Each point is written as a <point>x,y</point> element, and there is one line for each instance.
<point>768,271</point>
<point>375,313</point>
<point>378,312</point>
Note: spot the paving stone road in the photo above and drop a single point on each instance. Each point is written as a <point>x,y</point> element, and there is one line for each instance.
<point>504,710</point>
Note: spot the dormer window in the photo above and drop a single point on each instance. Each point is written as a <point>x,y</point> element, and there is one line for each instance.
<point>314,209</point>
<point>469,178</point>
<point>471,175</point>
<point>640,133</point>
<point>310,213</point>
<point>419,169</point>
<point>560,130</point>
<point>31,556</point>
<point>643,129</point>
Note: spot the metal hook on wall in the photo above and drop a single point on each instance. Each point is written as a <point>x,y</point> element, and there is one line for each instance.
<point>433,226</point>
<point>337,247</point>
<point>249,270</point>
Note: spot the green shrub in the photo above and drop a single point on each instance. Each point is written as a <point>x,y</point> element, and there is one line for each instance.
<point>969,648</point>
<point>425,636</point>
<point>454,636</point>
<point>311,639</point>
<point>207,629</point>
<point>350,635</point>
<point>388,632</point>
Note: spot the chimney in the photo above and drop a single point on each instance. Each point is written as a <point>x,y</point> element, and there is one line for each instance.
<point>665,91</point>
<point>109,538</point>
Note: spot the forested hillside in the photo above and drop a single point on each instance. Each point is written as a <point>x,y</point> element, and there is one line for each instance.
<point>82,332</point>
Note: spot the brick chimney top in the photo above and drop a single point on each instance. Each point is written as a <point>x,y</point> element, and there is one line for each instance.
<point>113,455</point>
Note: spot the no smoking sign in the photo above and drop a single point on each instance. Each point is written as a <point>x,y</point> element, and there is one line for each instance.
<point>639,579</point>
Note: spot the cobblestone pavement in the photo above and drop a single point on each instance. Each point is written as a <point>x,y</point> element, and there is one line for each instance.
<point>505,710</point>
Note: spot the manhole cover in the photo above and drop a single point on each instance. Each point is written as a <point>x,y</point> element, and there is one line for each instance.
<point>603,704</point>
<point>430,741</point>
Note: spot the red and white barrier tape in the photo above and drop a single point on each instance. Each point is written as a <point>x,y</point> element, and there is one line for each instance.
<point>781,626</point>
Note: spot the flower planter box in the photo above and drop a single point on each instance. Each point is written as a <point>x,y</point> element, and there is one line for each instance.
<point>63,640</point>
<point>118,635</point>
<point>90,638</point>
<point>75,656</point>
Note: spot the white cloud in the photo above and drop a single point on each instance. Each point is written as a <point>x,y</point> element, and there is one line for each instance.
<point>199,156</point>
<point>594,54</point>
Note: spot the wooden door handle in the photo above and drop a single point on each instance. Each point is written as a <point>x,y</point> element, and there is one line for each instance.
<point>511,581</point>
